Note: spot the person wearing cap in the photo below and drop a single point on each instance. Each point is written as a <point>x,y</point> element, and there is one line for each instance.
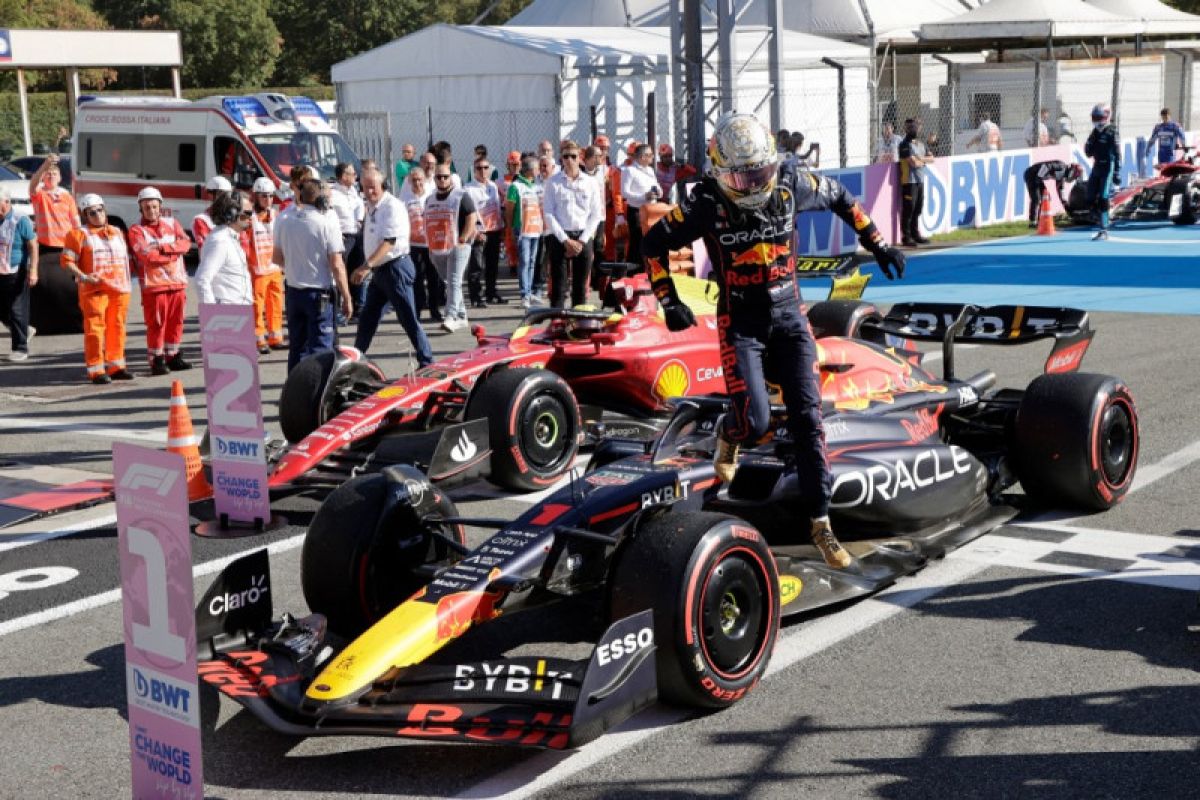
<point>671,172</point>
<point>573,211</point>
<point>203,223</point>
<point>407,163</point>
<point>266,278</point>
<point>223,275</point>
<point>159,244</point>
<point>96,254</point>
<point>615,228</point>
<point>18,273</point>
<point>639,185</point>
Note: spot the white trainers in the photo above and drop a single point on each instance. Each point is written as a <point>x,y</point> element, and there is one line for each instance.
<point>453,324</point>
<point>526,302</point>
<point>18,355</point>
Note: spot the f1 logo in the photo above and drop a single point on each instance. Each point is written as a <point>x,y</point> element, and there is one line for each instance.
<point>144,475</point>
<point>225,322</point>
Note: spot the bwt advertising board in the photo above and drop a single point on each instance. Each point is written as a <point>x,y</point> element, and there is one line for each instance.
<point>160,625</point>
<point>235,422</point>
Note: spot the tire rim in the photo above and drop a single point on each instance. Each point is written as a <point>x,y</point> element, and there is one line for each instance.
<point>1116,443</point>
<point>731,616</point>
<point>544,425</point>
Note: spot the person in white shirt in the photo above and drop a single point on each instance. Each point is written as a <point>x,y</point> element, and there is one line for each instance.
<point>223,275</point>
<point>889,145</point>
<point>450,223</point>
<point>310,251</point>
<point>386,231</point>
<point>347,205</point>
<point>987,137</point>
<point>573,211</point>
<point>1037,131</point>
<point>639,185</point>
<point>485,250</point>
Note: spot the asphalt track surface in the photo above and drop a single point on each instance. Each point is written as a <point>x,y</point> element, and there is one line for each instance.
<point>1055,657</point>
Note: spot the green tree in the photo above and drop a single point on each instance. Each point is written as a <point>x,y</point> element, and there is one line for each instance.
<point>225,42</point>
<point>55,14</point>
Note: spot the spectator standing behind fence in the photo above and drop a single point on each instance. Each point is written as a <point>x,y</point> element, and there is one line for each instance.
<point>18,272</point>
<point>203,222</point>
<point>987,136</point>
<point>481,151</point>
<point>159,244</point>
<point>450,222</point>
<point>444,155</point>
<point>1103,146</point>
<point>266,277</point>
<point>386,233</point>
<point>99,259</point>
<point>1167,137</point>
<point>639,185</point>
<point>224,272</point>
<point>407,163</point>
<point>912,162</point>
<point>347,204</point>
<point>428,291</point>
<point>485,251</point>
<point>54,212</point>
<point>1035,183</point>
<point>1037,130</point>
<point>573,211</point>
<point>545,152</point>
<point>309,250</point>
<point>523,215</point>
<point>888,150</point>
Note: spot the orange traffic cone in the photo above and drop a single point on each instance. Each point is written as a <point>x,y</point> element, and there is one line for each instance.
<point>1046,217</point>
<point>181,438</point>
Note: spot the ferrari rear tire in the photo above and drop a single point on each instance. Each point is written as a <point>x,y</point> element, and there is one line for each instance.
<point>1077,440</point>
<point>534,426</point>
<point>712,584</point>
<point>355,573</point>
<point>841,317</point>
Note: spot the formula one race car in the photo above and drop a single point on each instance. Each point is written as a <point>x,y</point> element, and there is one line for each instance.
<point>691,577</point>
<point>511,408</point>
<point>1173,194</point>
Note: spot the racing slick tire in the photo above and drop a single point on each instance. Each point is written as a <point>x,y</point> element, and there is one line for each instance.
<point>1189,191</point>
<point>534,426</point>
<point>355,571</point>
<point>714,589</point>
<point>300,411</point>
<point>1077,440</point>
<point>841,317</point>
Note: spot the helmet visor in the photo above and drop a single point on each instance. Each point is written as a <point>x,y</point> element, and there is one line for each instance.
<point>748,180</point>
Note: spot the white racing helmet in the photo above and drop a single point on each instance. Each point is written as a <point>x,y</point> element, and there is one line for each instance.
<point>149,193</point>
<point>744,159</point>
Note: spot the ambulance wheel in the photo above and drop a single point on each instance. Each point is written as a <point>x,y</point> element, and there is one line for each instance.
<point>1077,440</point>
<point>534,426</point>
<point>712,584</point>
<point>54,301</point>
<point>841,318</point>
<point>354,570</point>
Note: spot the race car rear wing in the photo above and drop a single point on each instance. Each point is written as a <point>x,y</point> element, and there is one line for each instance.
<point>1005,325</point>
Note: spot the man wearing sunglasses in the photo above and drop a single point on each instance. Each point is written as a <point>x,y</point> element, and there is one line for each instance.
<point>485,251</point>
<point>97,256</point>
<point>450,222</point>
<point>573,212</point>
<point>745,212</point>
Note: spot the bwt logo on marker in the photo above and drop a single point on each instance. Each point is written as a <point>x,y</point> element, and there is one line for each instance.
<point>230,448</point>
<point>162,695</point>
<point>225,322</point>
<point>146,476</point>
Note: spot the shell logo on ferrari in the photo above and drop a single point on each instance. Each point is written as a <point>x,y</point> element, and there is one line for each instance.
<point>391,391</point>
<point>672,380</point>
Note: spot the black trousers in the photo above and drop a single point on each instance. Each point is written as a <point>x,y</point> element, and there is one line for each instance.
<point>429,291</point>
<point>1036,188</point>
<point>14,307</point>
<point>572,271</point>
<point>633,251</point>
<point>776,344</point>
<point>912,202</point>
<point>483,266</point>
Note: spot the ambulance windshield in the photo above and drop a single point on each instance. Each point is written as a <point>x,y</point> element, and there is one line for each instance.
<point>282,151</point>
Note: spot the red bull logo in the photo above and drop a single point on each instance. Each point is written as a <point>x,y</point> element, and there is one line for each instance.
<point>762,254</point>
<point>457,612</point>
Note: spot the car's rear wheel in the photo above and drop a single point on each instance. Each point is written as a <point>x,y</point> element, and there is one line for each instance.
<point>841,317</point>
<point>300,407</point>
<point>354,570</point>
<point>712,584</point>
<point>534,426</point>
<point>1077,440</point>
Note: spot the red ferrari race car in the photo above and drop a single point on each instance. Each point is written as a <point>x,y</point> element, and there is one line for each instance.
<point>682,580</point>
<point>517,408</point>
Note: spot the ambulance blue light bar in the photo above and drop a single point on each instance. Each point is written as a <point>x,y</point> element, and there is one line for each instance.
<point>307,107</point>
<point>241,107</point>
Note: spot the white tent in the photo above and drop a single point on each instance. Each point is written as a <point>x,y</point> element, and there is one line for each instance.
<point>1158,19</point>
<point>1000,20</point>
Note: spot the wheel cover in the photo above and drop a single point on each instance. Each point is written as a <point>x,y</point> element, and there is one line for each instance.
<point>1116,443</point>
<point>544,423</point>
<point>732,619</point>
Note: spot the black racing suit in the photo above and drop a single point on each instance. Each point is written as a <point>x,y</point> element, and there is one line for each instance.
<point>1035,182</point>
<point>1103,146</point>
<point>763,333</point>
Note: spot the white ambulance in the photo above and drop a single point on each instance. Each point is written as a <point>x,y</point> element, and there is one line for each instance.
<point>122,144</point>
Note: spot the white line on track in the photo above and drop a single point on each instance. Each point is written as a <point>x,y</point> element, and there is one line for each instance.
<point>97,517</point>
<point>83,429</point>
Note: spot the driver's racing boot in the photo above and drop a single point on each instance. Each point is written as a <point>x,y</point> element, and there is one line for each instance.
<point>726,455</point>
<point>831,549</point>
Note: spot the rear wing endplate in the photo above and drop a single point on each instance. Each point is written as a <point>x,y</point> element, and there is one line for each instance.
<point>1005,325</point>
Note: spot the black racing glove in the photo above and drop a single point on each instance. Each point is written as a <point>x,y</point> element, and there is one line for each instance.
<point>679,316</point>
<point>890,258</point>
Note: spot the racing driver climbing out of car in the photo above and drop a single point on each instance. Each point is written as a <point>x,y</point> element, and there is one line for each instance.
<point>745,212</point>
